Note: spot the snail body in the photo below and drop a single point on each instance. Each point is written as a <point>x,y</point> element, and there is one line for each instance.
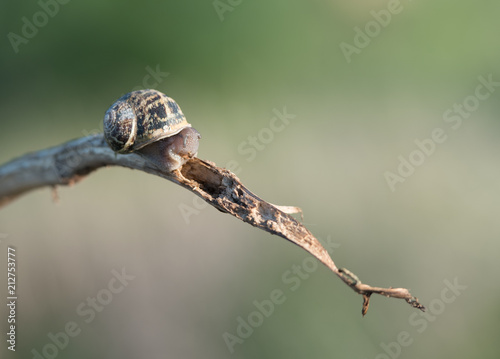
<point>151,124</point>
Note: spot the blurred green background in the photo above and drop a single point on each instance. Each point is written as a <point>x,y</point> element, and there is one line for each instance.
<point>231,65</point>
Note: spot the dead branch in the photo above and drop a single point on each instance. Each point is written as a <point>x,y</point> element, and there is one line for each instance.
<point>70,162</point>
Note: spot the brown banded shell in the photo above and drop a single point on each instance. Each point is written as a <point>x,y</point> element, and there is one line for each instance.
<point>140,118</point>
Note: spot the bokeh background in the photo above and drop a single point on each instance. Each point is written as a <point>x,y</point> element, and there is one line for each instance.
<point>230,65</point>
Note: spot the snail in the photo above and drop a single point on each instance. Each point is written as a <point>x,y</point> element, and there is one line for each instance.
<point>151,124</point>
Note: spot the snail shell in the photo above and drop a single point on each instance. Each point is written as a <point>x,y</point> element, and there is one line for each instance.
<point>142,118</point>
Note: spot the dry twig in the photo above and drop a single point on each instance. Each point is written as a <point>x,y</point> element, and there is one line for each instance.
<point>70,162</point>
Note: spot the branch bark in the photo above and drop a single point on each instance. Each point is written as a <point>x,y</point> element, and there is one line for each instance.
<point>72,161</point>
